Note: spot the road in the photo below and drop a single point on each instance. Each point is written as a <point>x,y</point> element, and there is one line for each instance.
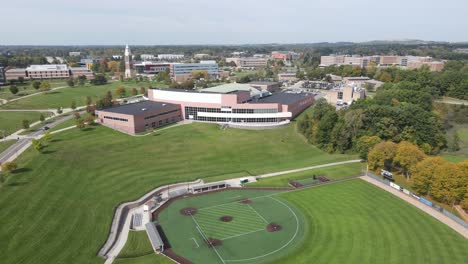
<point>21,145</point>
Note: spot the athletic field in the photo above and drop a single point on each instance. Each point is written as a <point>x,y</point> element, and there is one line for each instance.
<point>233,227</point>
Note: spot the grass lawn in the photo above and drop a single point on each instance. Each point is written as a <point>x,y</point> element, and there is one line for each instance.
<point>148,259</point>
<point>462,154</point>
<point>6,144</point>
<point>64,97</point>
<point>11,122</point>
<point>62,202</point>
<point>355,222</point>
<point>26,89</point>
<point>333,172</point>
<point>137,245</point>
<point>244,238</point>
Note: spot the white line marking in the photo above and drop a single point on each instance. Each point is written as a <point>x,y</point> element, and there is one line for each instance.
<point>264,220</point>
<point>206,238</point>
<point>243,234</point>
<point>285,245</point>
<point>194,240</point>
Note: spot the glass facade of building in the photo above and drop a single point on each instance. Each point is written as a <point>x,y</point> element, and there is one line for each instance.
<point>192,113</point>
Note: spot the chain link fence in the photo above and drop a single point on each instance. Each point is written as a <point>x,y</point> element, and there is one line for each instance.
<point>421,199</point>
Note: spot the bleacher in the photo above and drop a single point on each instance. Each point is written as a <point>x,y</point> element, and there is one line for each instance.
<point>137,220</point>
<point>154,237</point>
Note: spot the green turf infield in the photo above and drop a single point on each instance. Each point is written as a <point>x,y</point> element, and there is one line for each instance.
<point>244,239</point>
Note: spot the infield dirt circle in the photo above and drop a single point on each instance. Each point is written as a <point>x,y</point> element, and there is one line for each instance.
<point>245,201</point>
<point>188,211</point>
<point>213,242</point>
<point>273,227</point>
<point>226,218</point>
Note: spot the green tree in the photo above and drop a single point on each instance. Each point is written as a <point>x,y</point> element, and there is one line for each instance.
<point>366,143</point>
<point>41,117</point>
<point>47,136</point>
<point>381,156</point>
<point>25,123</point>
<point>45,86</point>
<point>449,184</point>
<point>120,91</point>
<point>81,80</point>
<point>13,89</point>
<point>36,84</point>
<point>37,145</point>
<point>407,156</point>
<point>99,79</point>
<point>134,91</point>
<point>73,105</point>
<point>70,82</point>
<point>423,173</point>
<point>142,90</point>
<point>89,100</point>
<point>9,166</point>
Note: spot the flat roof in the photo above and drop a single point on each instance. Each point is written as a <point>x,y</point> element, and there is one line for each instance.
<point>283,98</point>
<point>232,87</point>
<point>154,236</point>
<point>263,83</point>
<point>138,108</point>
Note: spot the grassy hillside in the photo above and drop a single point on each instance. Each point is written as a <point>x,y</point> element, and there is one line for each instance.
<point>11,122</point>
<point>62,202</point>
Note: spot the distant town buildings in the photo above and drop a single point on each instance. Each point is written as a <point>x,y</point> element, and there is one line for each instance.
<point>409,62</point>
<point>201,56</point>
<point>48,71</point>
<point>147,57</point>
<point>248,62</point>
<point>287,77</point>
<point>285,55</point>
<point>170,57</point>
<point>183,71</point>
<point>74,53</point>
<point>149,67</point>
<point>2,76</point>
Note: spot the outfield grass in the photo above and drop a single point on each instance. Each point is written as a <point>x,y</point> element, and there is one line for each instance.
<point>11,122</point>
<point>62,202</point>
<point>244,239</point>
<point>462,154</point>
<point>148,259</point>
<point>64,97</point>
<point>137,245</point>
<point>333,172</point>
<point>6,144</point>
<point>356,222</point>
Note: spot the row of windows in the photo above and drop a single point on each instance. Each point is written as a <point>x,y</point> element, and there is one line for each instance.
<point>194,110</point>
<point>160,114</point>
<point>161,122</point>
<point>116,118</point>
<point>237,120</point>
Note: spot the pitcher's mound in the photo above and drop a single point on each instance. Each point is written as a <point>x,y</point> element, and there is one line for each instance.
<point>188,211</point>
<point>213,242</point>
<point>226,218</point>
<point>273,227</point>
<point>245,201</point>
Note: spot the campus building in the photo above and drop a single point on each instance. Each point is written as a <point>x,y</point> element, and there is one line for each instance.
<point>149,67</point>
<point>251,62</point>
<point>406,62</point>
<point>48,71</point>
<point>2,76</point>
<point>269,86</point>
<point>138,117</point>
<point>284,55</point>
<point>170,56</point>
<point>344,95</point>
<point>183,71</point>
<point>235,106</point>
<point>287,77</point>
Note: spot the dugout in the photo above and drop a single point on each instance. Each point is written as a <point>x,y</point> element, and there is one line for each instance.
<point>154,237</point>
<point>209,187</point>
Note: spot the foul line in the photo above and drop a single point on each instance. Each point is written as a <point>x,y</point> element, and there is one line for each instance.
<point>258,213</point>
<point>204,237</point>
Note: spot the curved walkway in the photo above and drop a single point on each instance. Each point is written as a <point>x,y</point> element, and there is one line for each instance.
<point>437,215</point>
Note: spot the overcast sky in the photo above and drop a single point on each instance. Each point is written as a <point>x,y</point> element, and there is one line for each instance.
<point>153,22</point>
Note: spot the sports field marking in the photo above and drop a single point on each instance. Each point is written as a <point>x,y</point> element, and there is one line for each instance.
<point>206,239</point>
<point>254,198</point>
<point>243,234</point>
<point>194,240</point>
<point>285,245</point>
<point>263,218</point>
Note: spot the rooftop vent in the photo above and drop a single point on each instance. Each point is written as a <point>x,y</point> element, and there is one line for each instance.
<point>143,109</point>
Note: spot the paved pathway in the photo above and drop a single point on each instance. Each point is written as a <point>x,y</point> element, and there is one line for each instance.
<point>306,168</point>
<point>24,142</point>
<point>437,215</point>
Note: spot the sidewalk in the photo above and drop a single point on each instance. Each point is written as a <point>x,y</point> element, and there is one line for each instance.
<point>307,168</point>
<point>437,215</point>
